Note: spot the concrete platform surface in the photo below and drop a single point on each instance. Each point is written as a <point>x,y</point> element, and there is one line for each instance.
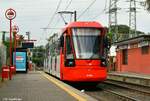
<point>134,78</point>
<point>35,86</point>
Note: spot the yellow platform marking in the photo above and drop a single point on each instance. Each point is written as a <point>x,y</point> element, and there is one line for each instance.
<point>78,97</point>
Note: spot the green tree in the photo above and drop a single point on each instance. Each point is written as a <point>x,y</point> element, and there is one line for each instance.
<point>7,44</point>
<point>123,32</point>
<point>38,55</point>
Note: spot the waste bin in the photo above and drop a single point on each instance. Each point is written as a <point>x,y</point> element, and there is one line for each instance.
<point>5,72</point>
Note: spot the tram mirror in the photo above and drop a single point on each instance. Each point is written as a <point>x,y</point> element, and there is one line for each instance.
<point>61,41</point>
<point>107,42</point>
<point>103,61</point>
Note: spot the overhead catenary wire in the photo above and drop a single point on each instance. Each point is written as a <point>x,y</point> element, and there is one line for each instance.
<point>54,13</point>
<point>68,4</point>
<point>65,9</point>
<point>103,10</point>
<point>86,8</point>
<point>52,17</point>
<point>99,14</point>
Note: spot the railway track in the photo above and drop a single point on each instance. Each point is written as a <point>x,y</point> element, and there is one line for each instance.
<point>109,95</point>
<point>133,87</point>
<point>122,96</point>
<point>117,91</point>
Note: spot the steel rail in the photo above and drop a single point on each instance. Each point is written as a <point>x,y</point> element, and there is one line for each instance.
<point>128,86</point>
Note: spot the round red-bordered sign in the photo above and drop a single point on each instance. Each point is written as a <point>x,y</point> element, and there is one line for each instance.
<point>10,14</point>
<point>15,29</point>
<point>17,37</point>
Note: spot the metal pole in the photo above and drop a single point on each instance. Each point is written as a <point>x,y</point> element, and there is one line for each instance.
<point>75,16</point>
<point>113,19</point>
<point>28,34</point>
<point>109,16</point>
<point>132,19</point>
<point>3,38</point>
<point>10,47</point>
<point>15,49</point>
<point>29,57</point>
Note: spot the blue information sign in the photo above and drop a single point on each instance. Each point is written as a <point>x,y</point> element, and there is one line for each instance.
<point>20,61</point>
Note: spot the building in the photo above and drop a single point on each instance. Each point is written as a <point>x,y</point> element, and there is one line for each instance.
<point>133,55</point>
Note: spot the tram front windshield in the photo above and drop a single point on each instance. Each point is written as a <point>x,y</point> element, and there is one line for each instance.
<point>87,43</point>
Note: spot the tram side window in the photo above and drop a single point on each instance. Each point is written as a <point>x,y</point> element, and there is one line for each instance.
<point>125,57</point>
<point>57,48</point>
<point>52,50</point>
<point>69,53</point>
<point>61,43</point>
<point>61,40</point>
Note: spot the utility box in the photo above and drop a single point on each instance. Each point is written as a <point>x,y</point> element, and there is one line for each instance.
<point>5,72</point>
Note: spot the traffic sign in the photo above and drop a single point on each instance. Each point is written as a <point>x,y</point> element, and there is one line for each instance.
<point>17,37</point>
<point>10,14</point>
<point>15,29</point>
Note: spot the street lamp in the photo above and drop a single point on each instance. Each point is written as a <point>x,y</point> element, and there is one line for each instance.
<point>10,14</point>
<point>15,31</point>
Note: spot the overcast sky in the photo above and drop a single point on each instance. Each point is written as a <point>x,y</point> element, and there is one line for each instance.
<point>33,15</point>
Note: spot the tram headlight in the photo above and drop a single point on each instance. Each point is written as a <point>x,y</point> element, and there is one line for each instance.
<point>69,62</point>
<point>103,62</point>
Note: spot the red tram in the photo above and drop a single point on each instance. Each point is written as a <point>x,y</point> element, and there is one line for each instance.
<point>77,55</point>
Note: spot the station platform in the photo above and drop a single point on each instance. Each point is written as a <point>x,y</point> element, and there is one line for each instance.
<point>38,86</point>
<point>128,77</point>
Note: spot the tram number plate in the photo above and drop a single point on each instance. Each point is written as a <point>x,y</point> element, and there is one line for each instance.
<point>89,75</point>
